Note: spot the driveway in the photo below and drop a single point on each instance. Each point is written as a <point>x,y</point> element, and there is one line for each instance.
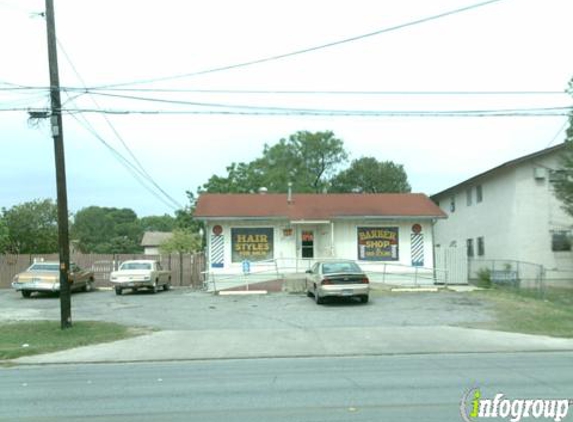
<point>182,309</point>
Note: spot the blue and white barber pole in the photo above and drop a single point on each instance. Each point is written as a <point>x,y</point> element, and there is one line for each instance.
<point>417,246</point>
<point>246,266</point>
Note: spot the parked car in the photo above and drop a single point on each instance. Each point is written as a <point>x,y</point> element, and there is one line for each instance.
<point>44,276</point>
<point>337,278</point>
<point>140,274</point>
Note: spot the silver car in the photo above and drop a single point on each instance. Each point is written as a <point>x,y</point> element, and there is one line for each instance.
<point>341,278</point>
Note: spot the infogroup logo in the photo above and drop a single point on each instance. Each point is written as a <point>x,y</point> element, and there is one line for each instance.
<point>474,407</point>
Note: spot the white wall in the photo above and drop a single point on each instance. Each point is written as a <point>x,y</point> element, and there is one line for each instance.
<point>516,216</point>
<point>345,240</point>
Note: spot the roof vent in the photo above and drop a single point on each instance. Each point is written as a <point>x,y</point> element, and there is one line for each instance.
<point>263,190</point>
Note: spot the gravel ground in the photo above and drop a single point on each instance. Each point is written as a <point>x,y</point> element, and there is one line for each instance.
<point>182,309</point>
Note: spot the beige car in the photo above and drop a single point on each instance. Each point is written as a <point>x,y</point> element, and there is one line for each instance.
<point>44,276</point>
<point>337,278</point>
<point>140,274</point>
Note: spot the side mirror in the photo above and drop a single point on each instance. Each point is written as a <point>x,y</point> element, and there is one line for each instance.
<point>308,271</point>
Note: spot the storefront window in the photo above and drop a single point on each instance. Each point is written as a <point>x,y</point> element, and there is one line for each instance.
<point>252,244</point>
<point>378,244</point>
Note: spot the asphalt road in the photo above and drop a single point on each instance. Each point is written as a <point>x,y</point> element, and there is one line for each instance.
<point>387,388</point>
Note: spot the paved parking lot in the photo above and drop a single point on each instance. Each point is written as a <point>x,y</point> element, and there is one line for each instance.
<point>183,309</point>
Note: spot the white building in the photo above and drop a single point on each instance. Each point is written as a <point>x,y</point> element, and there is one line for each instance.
<point>152,241</point>
<point>294,230</point>
<point>510,213</point>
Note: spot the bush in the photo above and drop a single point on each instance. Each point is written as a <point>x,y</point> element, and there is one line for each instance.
<point>484,278</point>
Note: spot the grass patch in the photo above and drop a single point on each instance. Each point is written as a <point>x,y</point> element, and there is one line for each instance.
<point>27,338</point>
<point>522,312</point>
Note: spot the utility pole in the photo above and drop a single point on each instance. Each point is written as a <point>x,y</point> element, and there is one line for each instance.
<point>58,135</point>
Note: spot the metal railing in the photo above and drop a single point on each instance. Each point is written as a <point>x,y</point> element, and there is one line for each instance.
<point>276,269</point>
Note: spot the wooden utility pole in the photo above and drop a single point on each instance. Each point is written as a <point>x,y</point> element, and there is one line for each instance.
<point>58,135</point>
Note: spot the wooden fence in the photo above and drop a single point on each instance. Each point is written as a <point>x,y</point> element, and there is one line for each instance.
<point>186,269</point>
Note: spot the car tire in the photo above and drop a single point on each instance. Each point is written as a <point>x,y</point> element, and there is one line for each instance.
<point>89,287</point>
<point>167,287</point>
<point>26,293</point>
<point>155,287</point>
<point>118,291</point>
<point>364,299</point>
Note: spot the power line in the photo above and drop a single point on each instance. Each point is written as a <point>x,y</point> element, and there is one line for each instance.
<point>321,92</point>
<point>304,110</point>
<point>305,50</point>
<point>539,112</point>
<point>142,170</point>
<point>122,160</point>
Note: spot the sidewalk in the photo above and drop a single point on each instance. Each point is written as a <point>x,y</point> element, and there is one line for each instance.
<point>301,342</point>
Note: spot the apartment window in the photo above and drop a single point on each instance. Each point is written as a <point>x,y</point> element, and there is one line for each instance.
<point>453,204</point>
<point>469,195</point>
<point>561,241</point>
<point>470,247</point>
<point>480,246</point>
<point>479,194</point>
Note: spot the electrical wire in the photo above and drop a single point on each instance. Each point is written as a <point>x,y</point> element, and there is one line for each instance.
<point>305,50</point>
<point>135,172</point>
<point>142,170</point>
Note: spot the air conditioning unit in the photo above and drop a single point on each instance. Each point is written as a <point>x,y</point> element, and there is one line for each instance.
<point>539,173</point>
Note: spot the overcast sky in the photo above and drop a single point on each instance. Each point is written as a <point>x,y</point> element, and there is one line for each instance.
<point>523,46</point>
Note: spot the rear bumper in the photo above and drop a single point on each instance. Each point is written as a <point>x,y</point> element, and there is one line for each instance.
<point>37,287</point>
<point>344,290</point>
<point>132,284</point>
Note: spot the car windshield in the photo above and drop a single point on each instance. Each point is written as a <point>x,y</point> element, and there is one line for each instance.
<point>44,266</point>
<point>135,266</point>
<point>340,267</point>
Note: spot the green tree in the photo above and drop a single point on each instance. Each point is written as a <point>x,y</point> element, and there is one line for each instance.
<point>563,184</point>
<point>157,223</point>
<point>4,236</point>
<point>32,227</point>
<point>107,230</point>
<point>307,160</point>
<point>368,175</point>
<point>182,241</point>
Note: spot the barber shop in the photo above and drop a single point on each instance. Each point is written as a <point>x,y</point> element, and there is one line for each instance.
<point>291,231</point>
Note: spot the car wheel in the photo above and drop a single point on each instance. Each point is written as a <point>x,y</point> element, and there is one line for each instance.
<point>26,293</point>
<point>89,286</point>
<point>364,299</point>
<point>317,298</point>
<point>167,286</point>
<point>118,291</point>
<point>155,288</point>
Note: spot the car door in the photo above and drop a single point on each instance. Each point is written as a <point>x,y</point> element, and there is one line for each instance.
<point>77,276</point>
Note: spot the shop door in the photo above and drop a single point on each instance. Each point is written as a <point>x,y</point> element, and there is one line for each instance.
<point>307,244</point>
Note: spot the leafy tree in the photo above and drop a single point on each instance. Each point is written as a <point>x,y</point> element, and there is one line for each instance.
<point>32,227</point>
<point>157,223</point>
<point>308,160</point>
<point>182,241</point>
<point>4,236</point>
<point>368,175</point>
<point>107,230</point>
<point>564,183</point>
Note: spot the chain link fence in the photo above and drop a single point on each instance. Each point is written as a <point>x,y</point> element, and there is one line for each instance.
<point>524,278</point>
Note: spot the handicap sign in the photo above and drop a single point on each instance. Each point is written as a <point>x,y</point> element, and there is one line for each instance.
<point>246,266</point>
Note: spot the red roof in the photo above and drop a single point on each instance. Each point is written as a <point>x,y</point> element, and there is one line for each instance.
<point>316,206</point>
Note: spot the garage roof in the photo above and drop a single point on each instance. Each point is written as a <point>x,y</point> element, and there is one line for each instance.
<point>316,206</point>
